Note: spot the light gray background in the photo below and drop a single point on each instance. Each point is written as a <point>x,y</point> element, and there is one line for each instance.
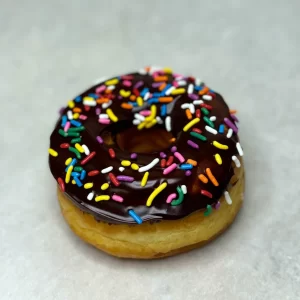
<point>247,50</point>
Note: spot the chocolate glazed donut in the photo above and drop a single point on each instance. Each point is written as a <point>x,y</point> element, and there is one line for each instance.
<point>145,146</point>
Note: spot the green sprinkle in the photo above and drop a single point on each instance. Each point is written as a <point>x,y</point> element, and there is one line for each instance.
<point>72,133</point>
<point>208,122</point>
<point>76,140</point>
<point>76,129</point>
<point>208,210</point>
<point>205,111</point>
<point>61,132</point>
<point>74,150</point>
<point>178,200</point>
<point>78,169</point>
<point>198,136</point>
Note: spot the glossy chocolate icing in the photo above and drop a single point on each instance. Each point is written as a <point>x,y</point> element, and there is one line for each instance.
<point>134,195</point>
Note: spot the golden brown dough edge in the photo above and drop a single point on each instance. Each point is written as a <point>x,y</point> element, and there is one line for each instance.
<point>161,239</point>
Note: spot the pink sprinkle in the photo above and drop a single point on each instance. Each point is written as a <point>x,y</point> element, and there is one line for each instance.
<point>138,84</point>
<point>98,111</point>
<point>193,96</point>
<point>192,144</point>
<point>176,75</point>
<point>231,125</point>
<point>100,89</point>
<point>162,155</point>
<point>82,117</point>
<point>188,173</point>
<point>67,126</point>
<point>234,118</point>
<point>145,113</point>
<point>117,198</point>
<point>175,83</point>
<point>104,121</point>
<point>174,149</point>
<point>218,204</point>
<point>99,139</point>
<point>169,169</point>
<point>171,197</point>
<point>127,83</point>
<point>179,157</point>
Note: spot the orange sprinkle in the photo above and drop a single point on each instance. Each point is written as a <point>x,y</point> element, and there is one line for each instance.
<point>132,97</point>
<point>147,69</point>
<point>192,162</point>
<point>233,111</point>
<point>126,105</point>
<point>162,86</point>
<point>102,100</point>
<point>188,114</point>
<point>107,91</point>
<point>203,178</point>
<point>172,140</point>
<point>165,99</point>
<point>211,177</point>
<point>77,110</point>
<point>204,91</point>
<point>161,78</point>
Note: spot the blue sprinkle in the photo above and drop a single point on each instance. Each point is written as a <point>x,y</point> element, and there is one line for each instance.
<point>211,91</point>
<point>166,88</point>
<point>64,120</point>
<point>77,99</point>
<point>198,88</point>
<point>135,217</point>
<point>95,96</point>
<point>221,128</point>
<point>82,175</point>
<point>157,94</point>
<point>163,110</point>
<point>78,182</point>
<point>75,174</point>
<point>132,103</point>
<point>75,123</point>
<point>186,167</point>
<point>144,92</point>
<point>153,100</point>
<point>73,162</point>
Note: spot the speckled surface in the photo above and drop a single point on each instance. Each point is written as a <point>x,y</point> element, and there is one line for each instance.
<point>52,50</point>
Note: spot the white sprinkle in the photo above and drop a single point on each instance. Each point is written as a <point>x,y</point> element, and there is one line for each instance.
<point>107,104</point>
<point>239,149</point>
<point>213,118</point>
<point>197,102</point>
<point>111,87</point>
<point>136,122</point>
<point>90,196</point>
<point>70,115</point>
<point>211,130</point>
<point>180,77</point>
<point>184,189</point>
<point>227,198</point>
<point>142,71</point>
<point>192,108</point>
<point>229,133</point>
<point>182,83</point>
<point>185,105</point>
<point>159,120</point>
<point>236,161</point>
<point>207,97</point>
<point>149,166</point>
<point>86,149</point>
<point>147,95</point>
<point>103,116</point>
<point>89,103</point>
<point>198,81</point>
<point>106,170</point>
<point>190,89</point>
<point>154,69</point>
<point>170,90</point>
<point>99,80</point>
<point>121,169</point>
<point>139,117</point>
<point>168,123</point>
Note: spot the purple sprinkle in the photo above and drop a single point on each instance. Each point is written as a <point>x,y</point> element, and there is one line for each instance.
<point>120,97</point>
<point>138,84</point>
<point>98,111</point>
<point>99,139</point>
<point>193,96</point>
<point>188,173</point>
<point>162,155</point>
<point>192,144</point>
<point>61,110</point>
<point>156,84</point>
<point>234,118</point>
<point>231,125</point>
<point>218,204</point>
<point>174,149</point>
<point>133,156</point>
<point>125,178</point>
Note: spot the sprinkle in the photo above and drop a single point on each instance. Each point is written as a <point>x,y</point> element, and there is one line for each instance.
<point>231,125</point>
<point>113,179</point>
<point>192,144</point>
<point>125,178</point>
<point>192,162</point>
<point>67,126</point>
<point>170,90</point>
<point>93,173</point>
<point>124,93</point>
<point>89,157</point>
<point>149,166</point>
<point>234,118</point>
<point>163,163</point>
<point>145,179</point>
<point>184,189</point>
<point>75,123</point>
<point>198,113</point>
<point>211,130</point>
<point>174,149</point>
<point>126,106</point>
<point>121,169</point>
<point>208,211</point>
<point>197,130</point>
<point>208,122</point>
<point>72,133</point>
<point>168,123</point>
<point>99,139</point>
<point>111,115</point>
<point>188,114</point>
<point>52,152</point>
<point>236,161</point>
<point>88,185</point>
<point>170,160</point>
<point>112,81</point>
<point>206,193</point>
<point>203,178</point>
<point>90,196</point>
<point>197,102</point>
<point>102,198</point>
<point>205,111</point>
<point>62,133</point>
<point>232,111</point>
<point>217,205</point>
<point>77,181</point>
<point>179,157</point>
<point>103,116</point>
<point>82,117</point>
<point>125,163</point>
<point>211,177</point>
<point>139,117</point>
<point>186,167</point>
<point>107,170</point>
<point>117,198</point>
<point>70,115</point>
<point>104,186</point>
<point>68,161</point>
<point>218,159</point>
<point>162,155</point>
<point>112,153</point>
<point>136,122</point>
<point>229,133</point>
<point>139,101</point>
<point>188,173</point>
<point>192,108</point>
<point>213,118</point>
<point>76,129</point>
<point>134,167</point>
<point>221,128</point>
<point>79,148</point>
<point>75,140</point>
<point>78,169</point>
<point>198,136</point>
<point>135,217</point>
<point>207,97</point>
<point>206,106</point>
<point>239,149</point>
<point>165,99</point>
<point>68,174</point>
<point>86,149</point>
<point>155,193</point>
<point>74,162</point>
<point>83,174</point>
<point>106,105</point>
<point>227,198</point>
<point>178,91</point>
<point>133,155</point>
<point>64,120</point>
<point>220,146</point>
<point>180,198</point>
<point>190,89</point>
<point>169,169</point>
<point>204,90</point>
<point>74,150</point>
<point>151,123</point>
<point>191,124</point>
<point>61,184</point>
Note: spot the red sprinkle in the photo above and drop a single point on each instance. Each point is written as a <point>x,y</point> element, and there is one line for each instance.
<point>198,113</point>
<point>87,108</point>
<point>89,157</point>
<point>127,77</point>
<point>206,106</point>
<point>197,130</point>
<point>170,160</point>
<point>163,163</point>
<point>212,94</point>
<point>112,153</point>
<point>206,193</point>
<point>136,92</point>
<point>93,173</point>
<point>61,184</point>
<point>64,145</point>
<point>113,179</point>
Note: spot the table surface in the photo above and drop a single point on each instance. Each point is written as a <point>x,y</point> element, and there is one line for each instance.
<point>247,50</point>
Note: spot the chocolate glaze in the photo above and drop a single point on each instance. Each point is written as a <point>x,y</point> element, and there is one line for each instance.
<point>134,195</point>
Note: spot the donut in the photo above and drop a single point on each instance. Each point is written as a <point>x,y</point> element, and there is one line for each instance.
<point>148,164</point>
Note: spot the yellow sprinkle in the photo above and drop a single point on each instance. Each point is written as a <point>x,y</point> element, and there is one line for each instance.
<point>68,174</point>
<point>155,193</point>
<point>168,70</point>
<point>141,125</point>
<point>191,124</point>
<point>111,115</point>
<point>139,101</point>
<point>76,116</point>
<point>88,185</point>
<point>218,159</point>
<point>125,163</point>
<point>101,198</point>
<point>145,179</point>
<point>112,81</point>
<point>104,186</point>
<point>71,104</point>
<point>135,167</point>
<point>88,99</point>
<point>178,91</point>
<point>220,146</point>
<point>52,152</point>
<point>73,181</point>
<point>124,93</point>
<point>68,161</point>
<point>151,123</point>
<point>153,113</point>
<point>79,148</point>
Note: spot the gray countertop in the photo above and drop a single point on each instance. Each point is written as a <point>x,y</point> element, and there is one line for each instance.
<point>247,50</point>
